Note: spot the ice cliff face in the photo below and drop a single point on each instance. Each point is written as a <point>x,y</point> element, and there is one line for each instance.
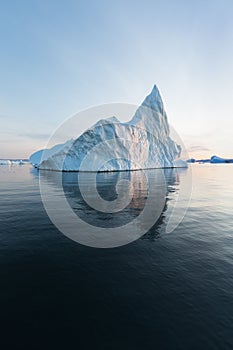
<point>110,145</point>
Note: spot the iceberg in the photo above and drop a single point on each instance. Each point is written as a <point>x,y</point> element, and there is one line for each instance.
<point>144,142</point>
<point>5,162</point>
<point>212,160</point>
<point>13,162</point>
<point>216,159</point>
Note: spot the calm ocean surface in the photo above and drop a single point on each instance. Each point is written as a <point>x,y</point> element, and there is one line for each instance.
<point>163,291</point>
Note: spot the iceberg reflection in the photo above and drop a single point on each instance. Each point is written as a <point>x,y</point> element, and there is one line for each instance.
<point>119,207</point>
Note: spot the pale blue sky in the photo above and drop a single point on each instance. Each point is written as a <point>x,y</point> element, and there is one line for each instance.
<point>59,57</point>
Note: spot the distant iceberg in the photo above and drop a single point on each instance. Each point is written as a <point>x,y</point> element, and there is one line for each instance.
<point>216,159</point>
<point>212,160</point>
<point>13,162</point>
<point>142,143</point>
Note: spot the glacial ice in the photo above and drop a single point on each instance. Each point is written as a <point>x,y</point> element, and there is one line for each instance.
<point>12,162</point>
<point>212,160</point>
<point>110,145</point>
<point>216,159</point>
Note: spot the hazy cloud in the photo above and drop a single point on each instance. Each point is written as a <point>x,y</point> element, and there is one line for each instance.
<point>198,148</point>
<point>37,136</point>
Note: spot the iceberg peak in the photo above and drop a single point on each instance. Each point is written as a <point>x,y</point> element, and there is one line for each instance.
<point>151,114</point>
<point>155,90</point>
<point>154,100</point>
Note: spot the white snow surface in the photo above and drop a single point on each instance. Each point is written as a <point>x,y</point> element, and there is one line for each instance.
<point>109,145</point>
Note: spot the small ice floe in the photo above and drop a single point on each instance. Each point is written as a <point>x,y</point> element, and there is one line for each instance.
<point>5,162</point>
<point>12,162</point>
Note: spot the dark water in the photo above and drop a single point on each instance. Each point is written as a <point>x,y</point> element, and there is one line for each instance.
<point>163,291</point>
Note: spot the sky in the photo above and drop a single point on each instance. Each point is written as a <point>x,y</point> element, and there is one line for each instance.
<point>60,57</point>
